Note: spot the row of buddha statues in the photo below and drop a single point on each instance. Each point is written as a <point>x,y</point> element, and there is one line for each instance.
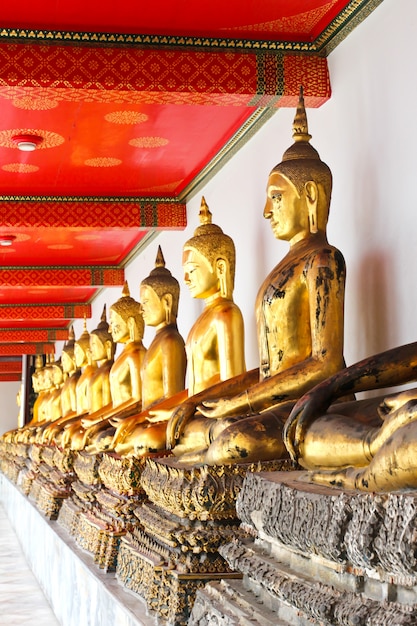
<point>299,403</point>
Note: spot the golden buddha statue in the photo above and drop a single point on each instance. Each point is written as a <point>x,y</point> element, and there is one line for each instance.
<point>87,367</point>
<point>71,374</point>
<point>299,310</point>
<point>77,358</point>
<point>164,365</point>
<point>369,444</point>
<point>215,344</point>
<point>52,377</point>
<point>126,327</point>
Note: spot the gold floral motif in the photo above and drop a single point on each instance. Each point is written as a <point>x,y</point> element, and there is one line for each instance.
<point>35,104</point>
<point>126,117</point>
<point>148,142</point>
<point>102,162</point>
<point>20,168</point>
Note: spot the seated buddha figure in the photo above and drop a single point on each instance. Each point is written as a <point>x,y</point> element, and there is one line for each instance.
<point>126,327</point>
<point>87,366</point>
<point>163,368</point>
<point>369,445</point>
<point>94,354</point>
<point>51,428</point>
<point>299,311</point>
<point>22,432</point>
<point>71,374</point>
<point>51,409</point>
<point>215,343</point>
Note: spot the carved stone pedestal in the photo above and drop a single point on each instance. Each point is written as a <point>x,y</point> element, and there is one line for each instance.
<point>174,549</point>
<point>101,509</point>
<point>317,555</point>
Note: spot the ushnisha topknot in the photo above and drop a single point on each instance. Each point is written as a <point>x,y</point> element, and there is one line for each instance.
<point>102,330</point>
<point>162,281</point>
<point>301,162</point>
<point>210,241</point>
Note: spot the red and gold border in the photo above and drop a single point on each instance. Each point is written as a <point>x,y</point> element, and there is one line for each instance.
<point>45,312</point>
<point>60,277</point>
<point>196,77</point>
<point>33,335</point>
<point>45,212</point>
<point>11,367</point>
<point>14,349</point>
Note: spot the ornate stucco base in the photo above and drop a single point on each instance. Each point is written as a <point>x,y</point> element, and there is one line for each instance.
<point>317,555</point>
<point>174,549</point>
<point>100,510</point>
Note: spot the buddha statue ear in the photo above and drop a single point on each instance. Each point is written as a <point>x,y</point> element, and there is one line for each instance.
<point>311,193</point>
<point>133,333</point>
<point>221,270</point>
<point>109,349</point>
<point>167,304</point>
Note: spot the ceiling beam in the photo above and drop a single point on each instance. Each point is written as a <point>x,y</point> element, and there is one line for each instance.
<point>10,378</point>
<point>11,367</point>
<point>49,212</point>
<point>43,312</point>
<point>15,349</point>
<point>162,76</point>
<point>33,335</point>
<point>61,277</point>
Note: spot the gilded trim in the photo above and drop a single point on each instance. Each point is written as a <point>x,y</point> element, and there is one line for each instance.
<point>354,13</point>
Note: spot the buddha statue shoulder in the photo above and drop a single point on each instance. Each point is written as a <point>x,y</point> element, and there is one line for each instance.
<point>300,321</point>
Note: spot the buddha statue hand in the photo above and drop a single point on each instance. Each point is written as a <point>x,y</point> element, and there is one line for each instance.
<point>310,406</point>
<point>238,405</point>
<point>177,421</point>
<point>396,402</point>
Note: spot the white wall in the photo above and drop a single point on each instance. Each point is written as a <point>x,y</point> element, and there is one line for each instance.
<point>367,134</point>
<point>8,404</point>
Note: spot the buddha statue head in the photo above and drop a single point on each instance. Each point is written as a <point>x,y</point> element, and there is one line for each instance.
<point>209,259</point>
<point>159,295</point>
<point>68,354</point>
<point>126,320</point>
<point>101,341</point>
<point>303,179</point>
<point>82,347</point>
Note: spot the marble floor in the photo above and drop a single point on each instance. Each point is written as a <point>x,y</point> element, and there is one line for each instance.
<point>21,599</point>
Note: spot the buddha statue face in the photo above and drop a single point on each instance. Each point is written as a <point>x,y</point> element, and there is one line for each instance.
<point>97,348</point>
<point>68,361</point>
<point>119,328</point>
<point>200,276</point>
<point>286,208</point>
<point>154,308</point>
<point>80,355</point>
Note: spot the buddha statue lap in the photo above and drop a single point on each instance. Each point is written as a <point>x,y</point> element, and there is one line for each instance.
<point>215,344</point>
<point>300,309</point>
<point>126,327</point>
<point>369,445</point>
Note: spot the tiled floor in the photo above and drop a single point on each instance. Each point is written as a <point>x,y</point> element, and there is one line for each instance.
<point>21,599</point>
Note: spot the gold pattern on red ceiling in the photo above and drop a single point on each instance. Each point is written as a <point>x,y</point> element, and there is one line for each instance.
<point>132,121</point>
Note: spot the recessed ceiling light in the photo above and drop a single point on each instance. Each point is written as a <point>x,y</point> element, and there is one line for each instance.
<point>27,143</point>
<point>7,240</point>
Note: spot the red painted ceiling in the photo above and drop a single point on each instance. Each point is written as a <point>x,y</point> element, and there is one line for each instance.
<point>134,105</point>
